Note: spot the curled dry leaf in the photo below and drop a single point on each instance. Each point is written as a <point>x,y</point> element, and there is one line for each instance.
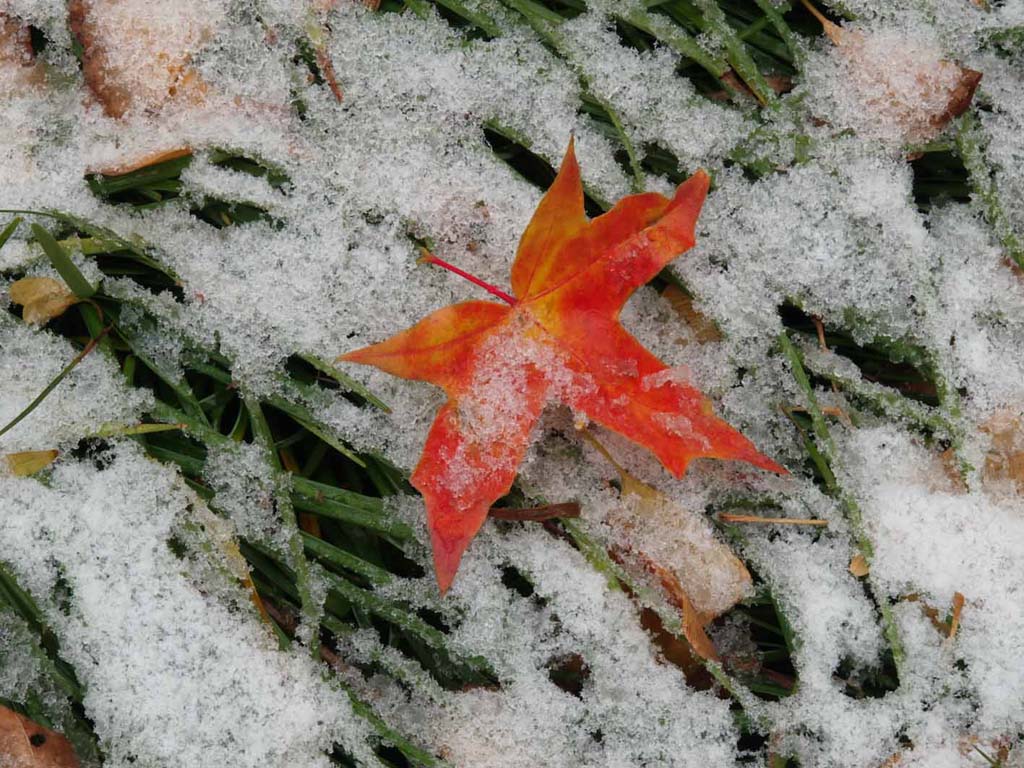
<point>905,87</point>
<point>27,463</point>
<point>859,566</point>
<point>693,620</point>
<point>707,569</point>
<point>42,298</point>
<point>698,573</point>
<point>136,55</point>
<point>26,744</point>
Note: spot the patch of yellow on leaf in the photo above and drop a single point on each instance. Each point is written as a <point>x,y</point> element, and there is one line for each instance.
<point>859,566</point>
<point>27,463</point>
<point>42,298</point>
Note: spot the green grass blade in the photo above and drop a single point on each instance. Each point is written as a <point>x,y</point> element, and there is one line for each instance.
<point>10,230</point>
<point>61,261</point>
<point>53,384</point>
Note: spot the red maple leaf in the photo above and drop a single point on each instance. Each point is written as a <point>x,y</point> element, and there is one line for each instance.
<point>558,338</point>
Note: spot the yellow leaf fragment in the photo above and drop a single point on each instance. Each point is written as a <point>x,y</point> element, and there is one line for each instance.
<point>27,463</point>
<point>26,744</point>
<point>859,566</point>
<point>954,621</point>
<point>43,298</point>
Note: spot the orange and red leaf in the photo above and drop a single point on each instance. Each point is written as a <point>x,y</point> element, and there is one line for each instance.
<point>559,340</point>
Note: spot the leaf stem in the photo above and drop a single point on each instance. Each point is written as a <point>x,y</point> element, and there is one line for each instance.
<point>429,258</point>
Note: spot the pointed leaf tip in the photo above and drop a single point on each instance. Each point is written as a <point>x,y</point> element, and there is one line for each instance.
<point>448,550</point>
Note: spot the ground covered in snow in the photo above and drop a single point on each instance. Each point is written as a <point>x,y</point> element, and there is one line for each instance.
<point>285,230</point>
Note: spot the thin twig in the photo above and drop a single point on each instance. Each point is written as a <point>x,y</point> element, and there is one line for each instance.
<point>537,514</point>
<point>725,517</point>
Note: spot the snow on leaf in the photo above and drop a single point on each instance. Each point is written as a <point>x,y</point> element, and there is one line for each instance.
<point>559,339</point>
<point>18,65</point>
<point>1004,460</point>
<point>699,574</point>
<point>904,88</point>
<point>134,57</point>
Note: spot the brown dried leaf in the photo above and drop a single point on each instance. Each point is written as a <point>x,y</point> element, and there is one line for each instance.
<point>707,570</point>
<point>43,298</point>
<point>142,161</point>
<point>941,91</point>
<point>134,58</point>
<point>28,463</point>
<point>1004,462</point>
<point>693,621</point>
<point>25,744</point>
<point>704,329</point>
<point>907,84</point>
<point>697,572</point>
<point>960,97</point>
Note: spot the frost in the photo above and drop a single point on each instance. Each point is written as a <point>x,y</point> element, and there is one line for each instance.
<point>887,85</point>
<point>244,488</point>
<point>813,209</point>
<point>936,541</point>
<point>91,396</point>
<point>136,625</point>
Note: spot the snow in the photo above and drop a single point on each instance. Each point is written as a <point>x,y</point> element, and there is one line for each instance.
<point>166,683</point>
<point>92,396</point>
<point>177,666</point>
<point>530,721</point>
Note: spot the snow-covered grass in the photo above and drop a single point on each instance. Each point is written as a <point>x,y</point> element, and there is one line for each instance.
<point>244,579</point>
